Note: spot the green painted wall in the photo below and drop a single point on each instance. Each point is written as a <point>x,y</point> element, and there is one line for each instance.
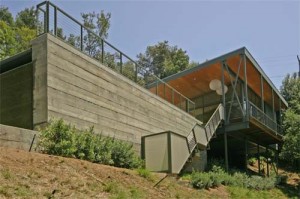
<point>16,97</point>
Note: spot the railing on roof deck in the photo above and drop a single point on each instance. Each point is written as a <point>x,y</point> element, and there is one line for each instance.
<point>263,118</point>
<point>53,20</point>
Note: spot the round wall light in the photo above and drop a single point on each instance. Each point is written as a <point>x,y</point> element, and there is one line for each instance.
<point>219,90</point>
<point>215,84</point>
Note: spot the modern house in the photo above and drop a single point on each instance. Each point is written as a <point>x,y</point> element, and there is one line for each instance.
<point>227,105</point>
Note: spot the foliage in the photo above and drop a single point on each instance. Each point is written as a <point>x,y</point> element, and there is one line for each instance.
<point>99,24</point>
<point>15,36</point>
<point>252,161</point>
<point>290,90</point>
<point>215,163</point>
<point>26,18</point>
<point>145,173</point>
<point>163,60</point>
<point>59,138</point>
<point>218,176</point>
<point>6,16</point>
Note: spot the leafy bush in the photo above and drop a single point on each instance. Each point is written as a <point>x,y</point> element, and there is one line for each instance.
<point>201,180</point>
<point>145,174</point>
<point>59,138</point>
<point>252,161</point>
<point>215,163</point>
<point>238,179</point>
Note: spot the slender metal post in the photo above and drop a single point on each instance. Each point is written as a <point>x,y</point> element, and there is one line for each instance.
<point>246,88</point>
<point>246,154</point>
<point>164,91</point>
<point>55,20</point>
<point>47,16</point>
<point>173,96</point>
<point>262,93</point>
<point>268,172</point>
<point>156,87</point>
<point>226,150</point>
<point>273,105</point>
<point>280,114</point>
<point>223,96</point>
<point>136,72</point>
<point>187,105</point>
<point>102,51</point>
<point>169,152</point>
<point>121,64</point>
<point>258,158</point>
<point>81,38</point>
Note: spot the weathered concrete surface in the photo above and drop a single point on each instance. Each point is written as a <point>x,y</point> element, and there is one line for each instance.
<point>16,97</point>
<point>85,93</point>
<point>39,58</point>
<point>18,138</point>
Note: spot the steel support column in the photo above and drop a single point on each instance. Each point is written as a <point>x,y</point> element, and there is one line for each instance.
<point>246,100</point>
<point>268,171</point>
<point>273,106</point>
<point>246,154</point>
<point>262,92</point>
<point>258,158</point>
<point>225,133</point>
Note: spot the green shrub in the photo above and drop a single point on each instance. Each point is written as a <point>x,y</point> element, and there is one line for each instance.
<point>252,161</point>
<point>240,179</point>
<point>215,163</point>
<point>59,138</point>
<point>201,180</point>
<point>144,173</point>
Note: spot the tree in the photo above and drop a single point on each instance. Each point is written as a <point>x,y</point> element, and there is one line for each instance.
<point>6,16</point>
<point>26,18</point>
<point>99,24</point>
<point>14,35</point>
<point>163,60</point>
<point>290,90</point>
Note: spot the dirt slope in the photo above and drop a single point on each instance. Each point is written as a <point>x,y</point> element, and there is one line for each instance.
<point>34,175</point>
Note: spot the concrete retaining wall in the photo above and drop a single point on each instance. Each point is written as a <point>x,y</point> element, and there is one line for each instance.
<point>77,88</point>
<point>16,97</point>
<point>18,138</point>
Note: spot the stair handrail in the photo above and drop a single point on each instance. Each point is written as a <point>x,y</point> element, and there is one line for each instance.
<point>217,109</point>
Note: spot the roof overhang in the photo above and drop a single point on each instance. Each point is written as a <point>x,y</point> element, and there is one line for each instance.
<point>194,82</point>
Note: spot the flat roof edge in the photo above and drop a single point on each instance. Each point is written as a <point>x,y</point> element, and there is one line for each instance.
<point>16,60</point>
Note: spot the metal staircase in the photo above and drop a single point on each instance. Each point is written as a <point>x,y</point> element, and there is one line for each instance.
<point>169,151</point>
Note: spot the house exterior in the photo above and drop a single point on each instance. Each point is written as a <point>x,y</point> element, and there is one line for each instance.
<point>253,105</point>
<point>227,105</point>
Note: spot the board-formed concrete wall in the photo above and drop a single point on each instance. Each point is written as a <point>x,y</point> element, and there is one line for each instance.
<point>17,138</point>
<point>77,88</point>
<point>16,97</point>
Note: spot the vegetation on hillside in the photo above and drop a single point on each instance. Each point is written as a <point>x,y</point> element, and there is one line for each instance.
<point>290,90</point>
<point>62,139</point>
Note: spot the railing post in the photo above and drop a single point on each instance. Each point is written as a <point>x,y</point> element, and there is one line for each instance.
<point>121,63</point>
<point>164,91</point>
<point>81,38</point>
<point>47,17</point>
<point>102,51</point>
<point>173,102</point>
<point>55,21</point>
<point>136,72</point>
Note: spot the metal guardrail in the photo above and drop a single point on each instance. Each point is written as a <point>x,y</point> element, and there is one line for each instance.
<point>263,118</point>
<point>213,122</point>
<point>53,20</point>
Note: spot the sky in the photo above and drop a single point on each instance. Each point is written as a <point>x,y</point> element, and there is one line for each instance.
<point>270,30</point>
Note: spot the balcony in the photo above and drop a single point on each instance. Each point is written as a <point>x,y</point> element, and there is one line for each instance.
<point>258,115</point>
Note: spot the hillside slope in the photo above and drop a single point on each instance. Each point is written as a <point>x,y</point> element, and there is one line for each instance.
<point>34,175</point>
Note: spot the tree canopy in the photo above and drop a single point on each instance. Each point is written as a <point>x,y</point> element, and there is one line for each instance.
<point>15,36</point>
<point>163,59</point>
<point>290,90</point>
